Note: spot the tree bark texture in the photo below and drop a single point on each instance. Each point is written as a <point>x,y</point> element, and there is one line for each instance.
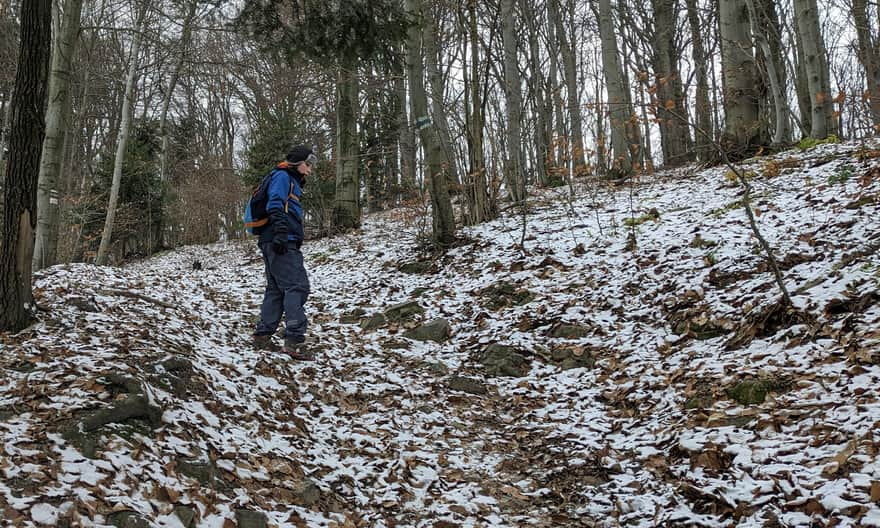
<point>346,208</point>
<point>741,100</point>
<point>669,101</point>
<point>407,140</point>
<point>822,122</point>
<point>569,65</point>
<point>513,166</point>
<point>57,125</point>
<point>780,105</point>
<point>625,136</point>
<point>480,208</point>
<point>27,132</point>
<point>869,56</point>
<point>441,205</point>
<point>122,140</point>
<point>703,107</point>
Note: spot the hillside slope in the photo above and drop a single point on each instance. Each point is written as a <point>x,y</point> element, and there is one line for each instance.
<point>631,365</point>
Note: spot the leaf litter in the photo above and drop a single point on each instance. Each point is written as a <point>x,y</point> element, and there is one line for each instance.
<point>663,383</point>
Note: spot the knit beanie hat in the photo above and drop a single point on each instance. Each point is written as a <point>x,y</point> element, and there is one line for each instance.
<point>299,154</point>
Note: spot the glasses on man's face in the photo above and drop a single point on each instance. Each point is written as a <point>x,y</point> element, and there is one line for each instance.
<point>311,161</point>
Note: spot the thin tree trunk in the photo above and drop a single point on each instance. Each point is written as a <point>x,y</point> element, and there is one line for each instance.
<point>438,112</point>
<point>703,110</point>
<point>441,205</point>
<point>122,140</point>
<point>780,106</point>
<point>569,64</point>
<point>536,83</point>
<point>802,86</point>
<point>25,144</point>
<point>513,173</point>
<point>346,208</point>
<point>406,139</point>
<point>816,63</point>
<point>57,124</point>
<point>869,56</point>
<point>185,37</point>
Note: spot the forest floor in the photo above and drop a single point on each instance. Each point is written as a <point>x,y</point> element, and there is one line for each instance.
<point>630,365</point>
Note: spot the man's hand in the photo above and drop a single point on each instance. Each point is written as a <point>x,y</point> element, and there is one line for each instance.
<point>279,244</point>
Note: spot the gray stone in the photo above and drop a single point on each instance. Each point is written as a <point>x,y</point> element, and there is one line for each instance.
<point>403,311</point>
<point>438,369</point>
<point>418,267</point>
<point>201,470</point>
<point>187,516</point>
<point>567,331</point>
<point>502,360</point>
<point>307,494</point>
<point>469,385</point>
<point>569,359</point>
<point>750,392</point>
<point>128,519</point>
<point>437,330</point>
<point>376,321</point>
<point>353,317</point>
<point>504,294</point>
<point>250,519</point>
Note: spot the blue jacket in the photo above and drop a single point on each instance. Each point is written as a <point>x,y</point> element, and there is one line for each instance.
<point>284,208</point>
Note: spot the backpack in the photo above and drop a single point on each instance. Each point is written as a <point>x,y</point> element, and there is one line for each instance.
<point>255,215</point>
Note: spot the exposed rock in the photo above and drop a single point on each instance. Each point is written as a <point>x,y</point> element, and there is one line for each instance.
<point>376,321</point>
<point>437,330</point>
<point>403,311</point>
<point>353,317</point>
<point>504,294</point>
<point>567,331</point>
<point>502,360</point>
<point>250,519</point>
<point>754,391</point>
<point>417,268</point>
<point>128,519</point>
<point>187,516</point>
<point>469,385</point>
<point>203,471</point>
<point>307,494</point>
<point>438,368</point>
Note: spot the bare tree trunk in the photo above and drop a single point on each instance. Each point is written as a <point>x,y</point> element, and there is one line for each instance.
<point>441,205</point>
<point>669,96</point>
<point>122,140</point>
<point>57,124</point>
<point>569,64</point>
<point>536,82</point>
<point>816,63</point>
<point>346,208</point>
<point>438,112</point>
<point>625,136</point>
<point>780,105</point>
<point>480,208</point>
<point>513,168</point>
<point>802,86</point>
<point>185,37</point>
<point>742,128</point>
<point>25,143</point>
<point>406,139</point>
<point>703,110</point>
<point>869,56</point>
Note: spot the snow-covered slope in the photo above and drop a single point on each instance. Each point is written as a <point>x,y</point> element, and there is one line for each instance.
<point>657,380</point>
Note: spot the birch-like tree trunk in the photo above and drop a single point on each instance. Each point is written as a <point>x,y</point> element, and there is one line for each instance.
<point>801,85</point>
<point>625,136</point>
<point>57,125</point>
<point>780,105</point>
<point>25,144</point>
<point>441,205</point>
<point>822,122</point>
<point>346,207</point>
<point>703,107</point>
<point>742,127</point>
<point>669,105</point>
<point>122,139</point>
<point>513,167</point>
<point>869,56</point>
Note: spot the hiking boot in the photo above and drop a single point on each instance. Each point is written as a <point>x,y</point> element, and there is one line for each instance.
<point>298,350</point>
<point>264,342</point>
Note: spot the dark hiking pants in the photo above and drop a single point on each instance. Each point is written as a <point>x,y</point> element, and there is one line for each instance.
<point>287,289</point>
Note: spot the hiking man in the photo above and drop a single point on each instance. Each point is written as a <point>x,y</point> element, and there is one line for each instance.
<point>287,283</point>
